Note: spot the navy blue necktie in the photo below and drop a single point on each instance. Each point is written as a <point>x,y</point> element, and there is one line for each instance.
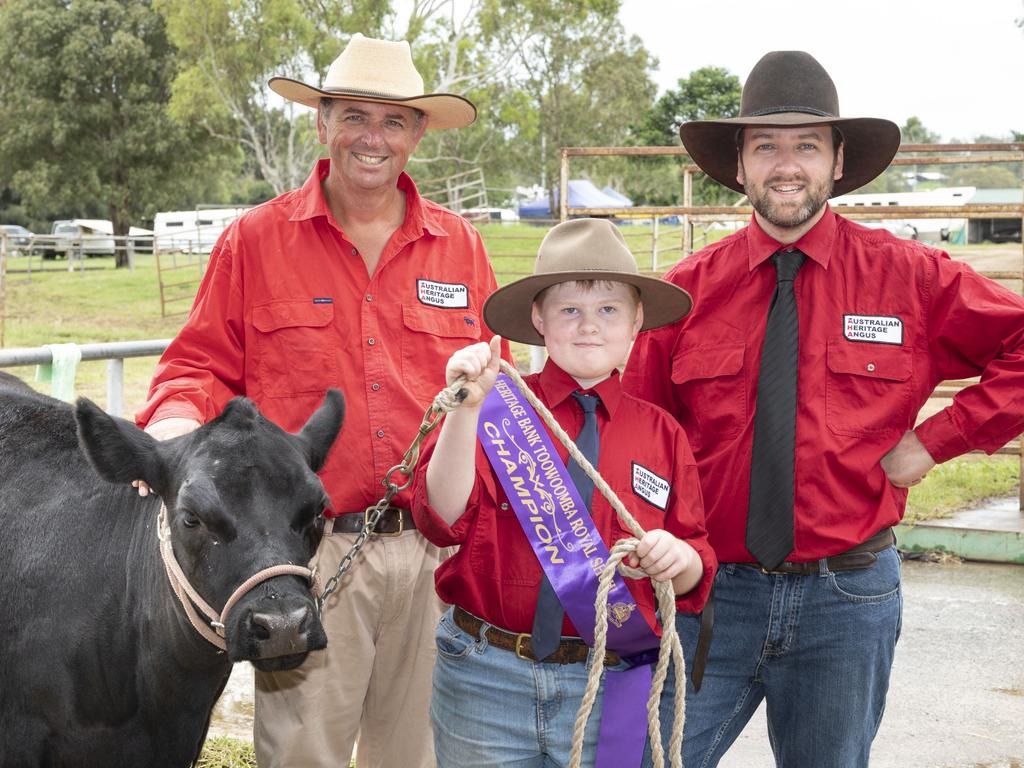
<point>770,511</point>
<point>547,619</point>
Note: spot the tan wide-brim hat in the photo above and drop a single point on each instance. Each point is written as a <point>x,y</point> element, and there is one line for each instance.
<point>382,72</point>
<point>789,89</point>
<point>581,249</point>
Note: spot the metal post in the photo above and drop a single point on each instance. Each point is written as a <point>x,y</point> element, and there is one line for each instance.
<point>115,386</point>
<point>537,357</point>
<point>3,286</point>
<point>654,244</point>
<point>563,188</point>
<point>687,202</point>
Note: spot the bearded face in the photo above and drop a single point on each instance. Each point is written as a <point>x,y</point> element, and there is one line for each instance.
<point>788,173</point>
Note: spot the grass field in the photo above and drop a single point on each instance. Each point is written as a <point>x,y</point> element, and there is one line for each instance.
<point>104,304</point>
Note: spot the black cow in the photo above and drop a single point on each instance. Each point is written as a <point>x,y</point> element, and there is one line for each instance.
<point>10,381</point>
<point>98,664</point>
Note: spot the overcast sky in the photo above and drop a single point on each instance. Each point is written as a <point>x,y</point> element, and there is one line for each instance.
<point>958,66</point>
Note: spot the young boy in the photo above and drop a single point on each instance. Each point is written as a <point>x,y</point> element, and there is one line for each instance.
<point>494,703</point>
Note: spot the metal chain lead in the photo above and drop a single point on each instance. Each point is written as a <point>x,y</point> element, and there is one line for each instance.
<point>448,399</point>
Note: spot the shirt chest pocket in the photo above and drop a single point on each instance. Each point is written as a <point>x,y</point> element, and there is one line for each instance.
<point>868,388</point>
<point>710,384</point>
<point>296,348</point>
<point>429,339</point>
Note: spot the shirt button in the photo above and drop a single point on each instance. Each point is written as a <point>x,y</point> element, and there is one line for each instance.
<point>380,433</point>
<point>375,387</point>
<point>355,251</point>
<point>504,505</point>
<point>369,297</point>
<point>371,341</point>
<point>871,366</point>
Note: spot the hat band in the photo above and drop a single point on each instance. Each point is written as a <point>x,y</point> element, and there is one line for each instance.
<point>362,92</point>
<point>780,110</point>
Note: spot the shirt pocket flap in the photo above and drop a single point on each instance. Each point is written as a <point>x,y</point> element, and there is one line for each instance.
<point>291,314</point>
<point>444,323</point>
<point>876,361</point>
<point>708,362</point>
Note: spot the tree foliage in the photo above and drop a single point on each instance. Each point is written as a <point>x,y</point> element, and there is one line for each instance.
<point>83,105</point>
<point>708,93</point>
<point>914,132</point>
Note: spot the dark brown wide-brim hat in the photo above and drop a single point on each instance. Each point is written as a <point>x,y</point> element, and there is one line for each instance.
<point>381,72</point>
<point>581,249</point>
<point>788,89</point>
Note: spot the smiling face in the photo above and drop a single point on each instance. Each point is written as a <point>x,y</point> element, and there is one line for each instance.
<point>369,144</point>
<point>788,175</point>
<point>588,327</point>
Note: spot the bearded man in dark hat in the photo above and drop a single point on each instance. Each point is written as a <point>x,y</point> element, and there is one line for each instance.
<point>798,377</point>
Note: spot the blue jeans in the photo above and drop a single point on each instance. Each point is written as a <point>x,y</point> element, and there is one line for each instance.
<point>817,648</point>
<point>491,708</point>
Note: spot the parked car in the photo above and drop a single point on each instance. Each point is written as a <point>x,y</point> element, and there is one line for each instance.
<point>18,238</point>
<point>90,237</point>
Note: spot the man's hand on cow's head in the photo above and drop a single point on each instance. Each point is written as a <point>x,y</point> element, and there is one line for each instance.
<point>165,429</point>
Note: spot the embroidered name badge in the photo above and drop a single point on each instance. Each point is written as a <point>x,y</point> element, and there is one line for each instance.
<point>447,295</point>
<point>650,487</point>
<point>881,329</point>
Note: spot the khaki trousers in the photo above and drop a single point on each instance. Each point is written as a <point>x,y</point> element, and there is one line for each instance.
<point>373,680</point>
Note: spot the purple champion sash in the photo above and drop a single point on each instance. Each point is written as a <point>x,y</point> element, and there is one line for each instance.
<point>571,552</point>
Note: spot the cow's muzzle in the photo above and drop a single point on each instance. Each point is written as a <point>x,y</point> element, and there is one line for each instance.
<point>304,628</point>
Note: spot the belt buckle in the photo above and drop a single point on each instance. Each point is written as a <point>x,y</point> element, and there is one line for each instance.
<point>519,646</point>
<point>401,522</point>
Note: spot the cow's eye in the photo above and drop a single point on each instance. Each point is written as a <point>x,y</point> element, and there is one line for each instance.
<point>190,520</point>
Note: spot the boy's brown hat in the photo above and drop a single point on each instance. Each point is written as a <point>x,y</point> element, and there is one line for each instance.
<point>581,249</point>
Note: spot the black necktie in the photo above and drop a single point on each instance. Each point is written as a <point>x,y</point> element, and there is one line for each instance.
<point>547,619</point>
<point>770,512</point>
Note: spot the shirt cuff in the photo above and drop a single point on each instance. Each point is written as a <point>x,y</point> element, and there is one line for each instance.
<point>695,600</point>
<point>431,524</point>
<point>941,437</point>
<point>170,409</point>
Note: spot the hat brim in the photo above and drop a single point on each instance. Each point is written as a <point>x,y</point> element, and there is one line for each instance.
<point>507,311</point>
<point>443,110</point>
<point>869,145</point>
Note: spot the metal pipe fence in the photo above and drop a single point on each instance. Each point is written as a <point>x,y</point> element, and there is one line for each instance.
<point>114,352</point>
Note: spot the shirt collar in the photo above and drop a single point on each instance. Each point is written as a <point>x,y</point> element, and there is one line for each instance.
<point>419,215</point>
<point>816,242</point>
<point>558,386</point>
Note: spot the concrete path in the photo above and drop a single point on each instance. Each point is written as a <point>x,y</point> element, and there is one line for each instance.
<point>957,693</point>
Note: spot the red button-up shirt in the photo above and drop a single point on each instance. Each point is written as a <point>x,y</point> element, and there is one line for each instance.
<point>287,309</point>
<point>495,574</point>
<point>882,321</point>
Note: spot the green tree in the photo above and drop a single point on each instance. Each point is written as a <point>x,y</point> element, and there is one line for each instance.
<point>83,104</point>
<point>229,49</point>
<point>914,132</point>
<point>576,74</point>
<point>708,93</point>
<point>986,177</point>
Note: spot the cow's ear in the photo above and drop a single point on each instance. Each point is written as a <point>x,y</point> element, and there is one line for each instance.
<point>118,450</point>
<point>317,437</point>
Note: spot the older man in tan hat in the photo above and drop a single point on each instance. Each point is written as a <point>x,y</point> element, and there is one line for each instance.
<point>798,377</point>
<point>351,281</point>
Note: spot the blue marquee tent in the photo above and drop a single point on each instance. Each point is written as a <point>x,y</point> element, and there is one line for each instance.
<point>582,194</point>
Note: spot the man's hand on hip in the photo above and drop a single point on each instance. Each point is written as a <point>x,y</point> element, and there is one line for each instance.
<point>908,462</point>
<point>165,429</point>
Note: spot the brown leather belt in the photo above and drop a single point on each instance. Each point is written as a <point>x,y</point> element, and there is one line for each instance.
<point>854,559</point>
<point>391,523</point>
<point>569,651</point>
